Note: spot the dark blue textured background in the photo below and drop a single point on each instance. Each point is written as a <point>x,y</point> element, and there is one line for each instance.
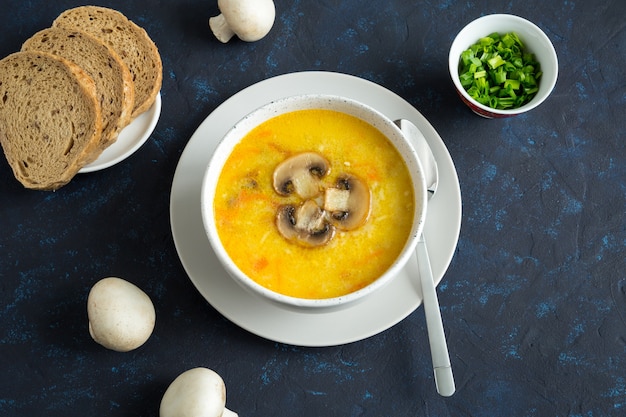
<point>534,302</point>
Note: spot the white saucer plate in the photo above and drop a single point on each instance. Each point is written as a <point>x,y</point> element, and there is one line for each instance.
<point>377,312</point>
<point>129,140</point>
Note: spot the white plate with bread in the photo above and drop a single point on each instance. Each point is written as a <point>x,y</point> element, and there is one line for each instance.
<point>129,140</point>
<point>79,96</point>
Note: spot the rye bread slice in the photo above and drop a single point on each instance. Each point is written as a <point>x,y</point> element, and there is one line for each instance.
<point>131,43</point>
<point>50,120</point>
<point>112,77</point>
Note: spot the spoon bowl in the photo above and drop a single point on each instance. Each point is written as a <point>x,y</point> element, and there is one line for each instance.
<point>424,153</point>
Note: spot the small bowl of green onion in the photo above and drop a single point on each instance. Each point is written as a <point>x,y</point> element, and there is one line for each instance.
<point>502,65</point>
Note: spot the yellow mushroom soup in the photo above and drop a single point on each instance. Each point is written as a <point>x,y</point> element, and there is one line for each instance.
<point>314,204</point>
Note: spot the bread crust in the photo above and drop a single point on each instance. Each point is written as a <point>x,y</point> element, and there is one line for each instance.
<point>50,118</point>
<point>131,43</point>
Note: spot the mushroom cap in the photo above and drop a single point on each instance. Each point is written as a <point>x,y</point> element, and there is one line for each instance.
<point>251,20</point>
<point>300,174</point>
<point>197,392</point>
<point>121,316</point>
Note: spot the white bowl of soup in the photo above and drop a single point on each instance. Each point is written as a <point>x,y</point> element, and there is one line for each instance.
<point>314,202</point>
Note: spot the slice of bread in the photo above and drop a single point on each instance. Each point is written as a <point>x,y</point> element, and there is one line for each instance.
<point>131,43</point>
<point>113,81</point>
<point>50,120</point>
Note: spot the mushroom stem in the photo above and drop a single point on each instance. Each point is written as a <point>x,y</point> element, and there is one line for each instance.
<point>220,28</point>
<point>250,20</point>
<point>228,413</point>
<point>305,224</point>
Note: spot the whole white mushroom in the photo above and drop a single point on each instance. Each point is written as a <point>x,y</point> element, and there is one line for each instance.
<point>121,316</point>
<point>250,20</point>
<point>198,392</point>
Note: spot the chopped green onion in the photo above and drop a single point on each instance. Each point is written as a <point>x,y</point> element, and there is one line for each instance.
<point>497,72</point>
<point>499,76</point>
<point>480,74</point>
<point>514,84</point>
<point>496,61</point>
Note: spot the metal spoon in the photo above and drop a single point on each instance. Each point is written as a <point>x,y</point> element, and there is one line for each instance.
<point>444,380</point>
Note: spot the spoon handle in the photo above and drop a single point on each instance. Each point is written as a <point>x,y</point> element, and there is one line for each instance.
<point>444,380</point>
